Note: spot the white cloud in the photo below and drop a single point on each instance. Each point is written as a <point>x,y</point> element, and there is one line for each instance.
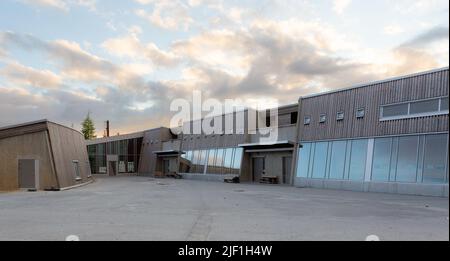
<point>172,15</point>
<point>62,4</point>
<point>393,30</point>
<point>131,46</point>
<point>340,5</point>
<point>21,75</point>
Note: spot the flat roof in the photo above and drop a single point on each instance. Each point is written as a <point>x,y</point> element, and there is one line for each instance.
<point>362,85</point>
<point>134,135</point>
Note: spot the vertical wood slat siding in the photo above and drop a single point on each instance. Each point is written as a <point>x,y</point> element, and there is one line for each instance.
<point>371,97</point>
<point>68,145</point>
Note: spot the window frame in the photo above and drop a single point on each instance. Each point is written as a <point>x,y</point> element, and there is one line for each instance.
<point>340,118</point>
<point>363,109</point>
<point>409,115</point>
<point>307,120</point>
<point>76,169</point>
<point>320,118</point>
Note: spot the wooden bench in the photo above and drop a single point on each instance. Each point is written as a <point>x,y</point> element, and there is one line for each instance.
<point>174,175</point>
<point>231,179</point>
<point>269,180</point>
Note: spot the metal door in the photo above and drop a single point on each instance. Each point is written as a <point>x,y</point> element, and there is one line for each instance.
<point>287,163</point>
<point>258,166</point>
<point>27,173</point>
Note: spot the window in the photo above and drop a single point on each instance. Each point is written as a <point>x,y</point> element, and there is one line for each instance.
<point>407,159</point>
<point>381,159</point>
<point>358,160</point>
<point>422,108</point>
<point>340,116</point>
<point>323,118</point>
<point>395,110</point>
<point>320,160</point>
<point>76,169</point>
<point>337,163</point>
<point>303,163</point>
<point>294,116</point>
<point>444,104</point>
<point>435,159</point>
<point>307,120</point>
<point>237,160</point>
<point>360,113</point>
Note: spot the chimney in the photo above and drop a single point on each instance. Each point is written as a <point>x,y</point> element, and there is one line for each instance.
<point>107,128</point>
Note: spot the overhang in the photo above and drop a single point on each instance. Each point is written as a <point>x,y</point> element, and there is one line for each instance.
<point>168,153</point>
<point>268,146</point>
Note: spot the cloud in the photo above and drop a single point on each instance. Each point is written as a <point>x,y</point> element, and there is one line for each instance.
<point>339,6</point>
<point>131,46</point>
<point>62,4</point>
<point>432,35</point>
<point>26,76</point>
<point>393,30</point>
<point>167,14</point>
<point>425,51</point>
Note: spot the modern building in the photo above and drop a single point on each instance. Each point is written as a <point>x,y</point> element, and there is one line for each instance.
<point>42,155</point>
<point>387,136</point>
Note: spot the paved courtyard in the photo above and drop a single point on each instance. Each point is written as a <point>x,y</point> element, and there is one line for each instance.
<point>140,208</point>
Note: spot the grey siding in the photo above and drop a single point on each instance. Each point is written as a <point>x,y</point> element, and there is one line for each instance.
<point>371,97</point>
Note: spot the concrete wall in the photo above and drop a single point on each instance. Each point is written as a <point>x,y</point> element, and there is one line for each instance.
<point>435,190</point>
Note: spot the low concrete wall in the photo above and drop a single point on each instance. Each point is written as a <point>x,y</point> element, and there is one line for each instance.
<point>434,190</point>
<point>204,177</point>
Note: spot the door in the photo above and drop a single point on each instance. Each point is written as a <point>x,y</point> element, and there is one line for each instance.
<point>287,163</point>
<point>112,168</point>
<point>27,173</point>
<point>166,167</point>
<point>258,166</point>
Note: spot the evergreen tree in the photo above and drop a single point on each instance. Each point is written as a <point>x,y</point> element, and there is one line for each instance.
<point>88,128</point>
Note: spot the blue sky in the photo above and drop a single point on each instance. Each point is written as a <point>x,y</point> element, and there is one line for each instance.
<point>126,60</point>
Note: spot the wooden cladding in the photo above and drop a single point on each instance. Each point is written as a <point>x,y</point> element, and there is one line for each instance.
<point>371,98</point>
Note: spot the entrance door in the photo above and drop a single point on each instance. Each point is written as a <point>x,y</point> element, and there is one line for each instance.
<point>166,167</point>
<point>112,168</point>
<point>287,163</point>
<point>258,166</point>
<point>27,174</point>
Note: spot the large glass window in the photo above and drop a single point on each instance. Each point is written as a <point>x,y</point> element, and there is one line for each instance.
<point>237,160</point>
<point>358,160</point>
<point>337,163</point>
<point>435,159</point>
<point>303,161</point>
<point>228,160</point>
<point>381,159</point>
<point>320,160</point>
<point>407,159</point>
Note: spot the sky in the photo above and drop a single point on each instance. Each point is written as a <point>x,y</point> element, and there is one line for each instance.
<point>125,61</point>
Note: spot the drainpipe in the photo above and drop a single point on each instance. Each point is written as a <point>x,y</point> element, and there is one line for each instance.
<point>296,144</point>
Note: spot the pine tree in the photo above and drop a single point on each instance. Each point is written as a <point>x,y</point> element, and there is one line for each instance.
<point>88,128</point>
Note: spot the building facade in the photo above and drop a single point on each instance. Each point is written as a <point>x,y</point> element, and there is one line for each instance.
<point>389,136</point>
<point>42,155</point>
